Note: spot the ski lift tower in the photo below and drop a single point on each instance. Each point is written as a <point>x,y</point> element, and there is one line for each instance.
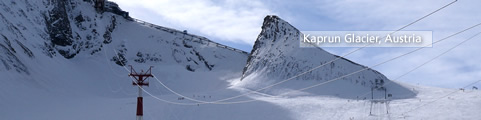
<point>141,80</point>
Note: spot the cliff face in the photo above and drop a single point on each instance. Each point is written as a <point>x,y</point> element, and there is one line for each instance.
<point>277,50</point>
<point>73,29</point>
<point>58,27</point>
<point>69,48</point>
<point>69,28</point>
<point>276,56</point>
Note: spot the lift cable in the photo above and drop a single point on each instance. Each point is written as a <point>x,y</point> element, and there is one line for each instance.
<point>280,82</point>
<point>205,102</point>
<point>432,59</point>
<point>218,101</point>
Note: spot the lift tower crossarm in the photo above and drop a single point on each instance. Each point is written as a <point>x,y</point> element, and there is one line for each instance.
<point>141,80</point>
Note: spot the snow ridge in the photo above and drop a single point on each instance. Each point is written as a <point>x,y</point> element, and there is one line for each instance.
<point>276,56</point>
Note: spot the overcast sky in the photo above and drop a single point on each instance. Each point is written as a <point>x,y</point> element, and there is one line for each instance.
<point>238,22</point>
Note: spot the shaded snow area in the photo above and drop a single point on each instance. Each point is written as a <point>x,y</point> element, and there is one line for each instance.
<point>66,60</point>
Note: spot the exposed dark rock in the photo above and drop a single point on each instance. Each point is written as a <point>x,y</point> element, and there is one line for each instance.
<point>144,57</point>
<point>189,68</point>
<point>10,61</point>
<point>58,24</point>
<point>200,58</point>
<point>119,58</point>
<point>9,44</point>
<point>108,32</point>
<point>25,49</point>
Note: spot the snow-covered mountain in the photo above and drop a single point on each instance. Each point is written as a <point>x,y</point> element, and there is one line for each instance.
<point>277,56</point>
<point>69,48</point>
<point>70,28</point>
<point>66,59</point>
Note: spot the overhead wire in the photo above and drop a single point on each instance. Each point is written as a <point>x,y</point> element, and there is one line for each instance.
<point>338,78</point>
<point>397,57</point>
<point>403,114</point>
<point>115,73</point>
<point>430,60</point>
<point>457,45</point>
<point>205,102</point>
<point>148,93</point>
<point>280,82</point>
<point>455,91</point>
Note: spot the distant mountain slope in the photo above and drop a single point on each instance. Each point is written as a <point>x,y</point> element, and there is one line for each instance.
<point>47,44</point>
<point>277,56</point>
<point>73,27</point>
<point>63,60</point>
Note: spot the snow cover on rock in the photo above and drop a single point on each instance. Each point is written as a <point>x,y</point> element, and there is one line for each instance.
<point>276,56</point>
<point>64,60</point>
<point>55,50</point>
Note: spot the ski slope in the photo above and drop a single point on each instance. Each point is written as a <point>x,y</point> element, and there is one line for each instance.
<point>89,80</point>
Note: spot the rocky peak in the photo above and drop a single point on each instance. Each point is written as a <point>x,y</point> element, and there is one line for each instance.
<point>277,56</point>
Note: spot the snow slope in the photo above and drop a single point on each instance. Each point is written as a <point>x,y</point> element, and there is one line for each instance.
<point>37,42</point>
<point>56,52</point>
<point>62,59</point>
<point>276,56</point>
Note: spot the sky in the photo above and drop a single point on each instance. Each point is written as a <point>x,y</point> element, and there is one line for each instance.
<point>237,23</point>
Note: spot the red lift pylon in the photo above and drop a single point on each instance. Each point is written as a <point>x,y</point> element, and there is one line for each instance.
<point>140,81</point>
